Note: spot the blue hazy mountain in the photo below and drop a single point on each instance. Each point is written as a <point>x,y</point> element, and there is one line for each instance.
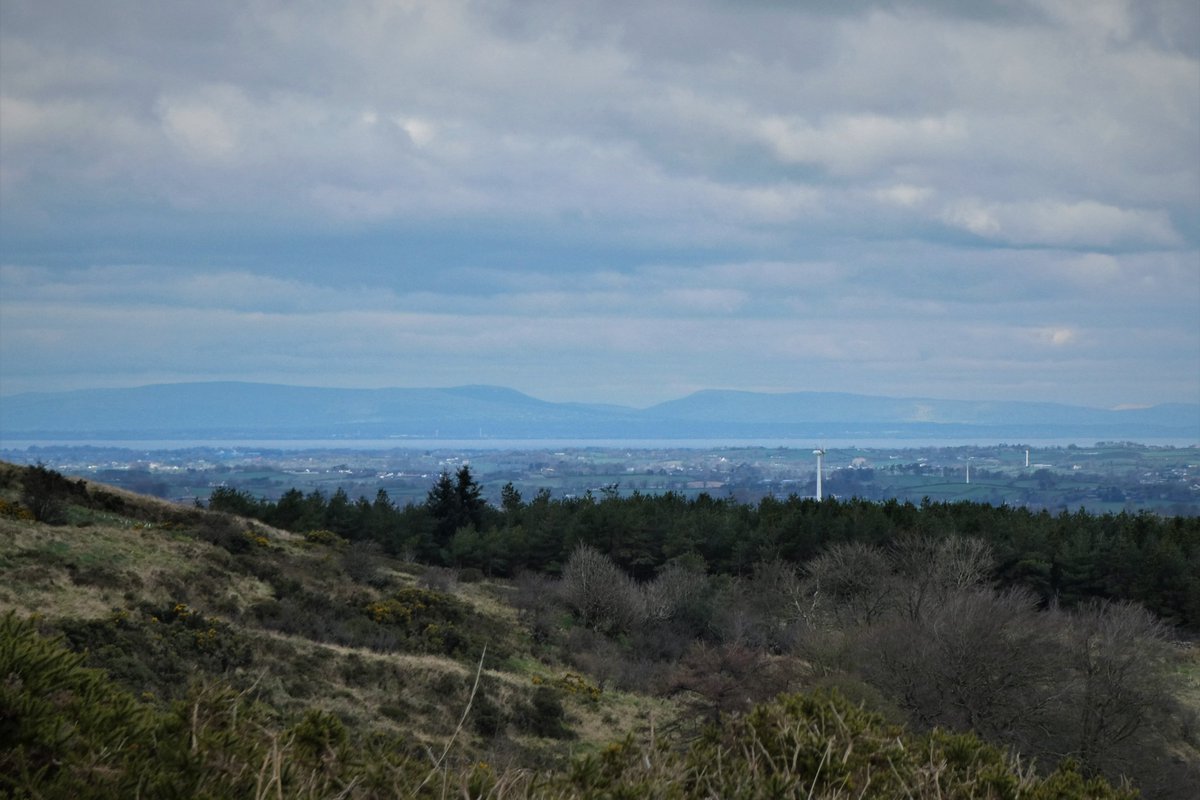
<point>714,405</point>
<point>221,410</point>
<point>201,410</point>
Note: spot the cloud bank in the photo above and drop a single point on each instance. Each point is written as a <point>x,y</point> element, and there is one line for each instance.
<point>620,203</point>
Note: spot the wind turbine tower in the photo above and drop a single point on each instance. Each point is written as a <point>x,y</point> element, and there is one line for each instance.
<point>820,454</point>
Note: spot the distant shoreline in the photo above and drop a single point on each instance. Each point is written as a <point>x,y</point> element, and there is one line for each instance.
<point>559,443</point>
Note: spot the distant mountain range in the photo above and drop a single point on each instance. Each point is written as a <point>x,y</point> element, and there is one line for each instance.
<point>266,411</point>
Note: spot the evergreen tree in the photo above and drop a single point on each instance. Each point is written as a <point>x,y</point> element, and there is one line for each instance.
<point>469,496</point>
<point>454,503</point>
<point>340,516</point>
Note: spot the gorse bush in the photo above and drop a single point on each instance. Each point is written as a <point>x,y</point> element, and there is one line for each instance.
<point>46,494</point>
<point>427,621</point>
<point>12,510</point>
<point>63,727</point>
<point>409,620</point>
<point>159,649</point>
<point>328,538</point>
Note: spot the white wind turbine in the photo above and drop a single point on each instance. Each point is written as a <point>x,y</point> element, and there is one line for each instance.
<point>820,454</point>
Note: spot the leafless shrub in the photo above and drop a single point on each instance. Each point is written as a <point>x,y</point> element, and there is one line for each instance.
<point>661,641</point>
<point>728,677</point>
<point>857,584</point>
<point>679,595</point>
<point>538,601</point>
<point>601,595</point>
<point>827,650</point>
<point>361,562</point>
<point>615,666</point>
<point>594,654</point>
<point>439,579</point>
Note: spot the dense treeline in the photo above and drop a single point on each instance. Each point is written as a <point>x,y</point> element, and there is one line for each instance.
<point>1065,559</point>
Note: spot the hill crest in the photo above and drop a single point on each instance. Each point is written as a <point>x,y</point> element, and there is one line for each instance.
<point>214,410</point>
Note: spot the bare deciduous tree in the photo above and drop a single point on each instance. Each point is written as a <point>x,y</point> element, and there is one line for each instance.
<point>980,660</point>
<point>852,582</point>
<point>930,570</point>
<point>1122,697</point>
<point>781,592</point>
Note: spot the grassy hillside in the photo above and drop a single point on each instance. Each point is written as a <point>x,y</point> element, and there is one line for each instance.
<point>235,659</point>
<point>167,598</point>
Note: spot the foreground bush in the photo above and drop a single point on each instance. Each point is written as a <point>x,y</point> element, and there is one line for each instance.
<point>825,747</point>
<point>63,727</point>
<point>67,731</point>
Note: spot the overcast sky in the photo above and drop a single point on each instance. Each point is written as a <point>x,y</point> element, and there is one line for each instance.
<point>619,202</point>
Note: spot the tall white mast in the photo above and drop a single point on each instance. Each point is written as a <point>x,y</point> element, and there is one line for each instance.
<point>820,454</point>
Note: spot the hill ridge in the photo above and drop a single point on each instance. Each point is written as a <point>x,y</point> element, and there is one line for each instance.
<point>223,409</point>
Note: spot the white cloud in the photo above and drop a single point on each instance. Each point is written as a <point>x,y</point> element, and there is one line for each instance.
<point>205,127</point>
<point>421,131</point>
<point>904,195</point>
<point>860,143</point>
<point>1080,224</point>
<point>974,217</point>
<point>1054,337</point>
